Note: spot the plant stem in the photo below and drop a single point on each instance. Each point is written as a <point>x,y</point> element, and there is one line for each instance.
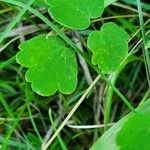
<point>33,123</point>
<point>55,129</point>
<point>7,62</point>
<point>6,106</point>
<point>110,91</point>
<point>145,51</point>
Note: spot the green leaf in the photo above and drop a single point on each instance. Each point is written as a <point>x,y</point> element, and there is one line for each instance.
<point>135,133</point>
<point>108,2</point>
<point>109,47</point>
<point>75,14</point>
<point>52,65</point>
<point>108,140</point>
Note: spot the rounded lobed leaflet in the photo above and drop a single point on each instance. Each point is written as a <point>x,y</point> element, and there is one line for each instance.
<point>109,47</point>
<point>75,14</point>
<point>51,65</point>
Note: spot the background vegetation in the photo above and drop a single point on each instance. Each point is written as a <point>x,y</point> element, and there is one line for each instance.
<point>38,117</point>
